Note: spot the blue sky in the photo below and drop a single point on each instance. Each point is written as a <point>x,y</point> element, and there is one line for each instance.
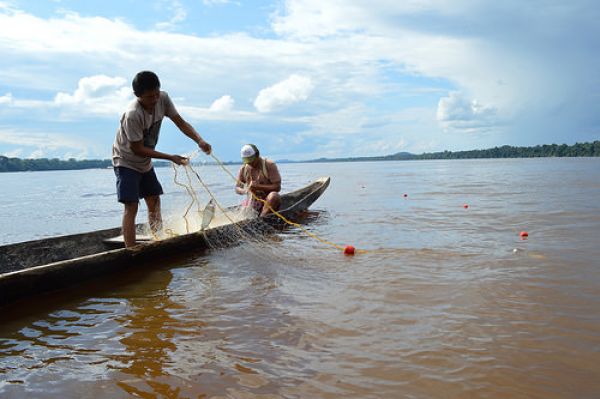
<point>302,79</point>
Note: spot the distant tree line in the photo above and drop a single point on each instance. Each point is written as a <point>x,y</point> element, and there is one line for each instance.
<point>22,165</point>
<point>548,150</point>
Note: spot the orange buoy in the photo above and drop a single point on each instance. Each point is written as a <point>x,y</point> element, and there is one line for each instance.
<point>349,250</point>
<point>523,234</point>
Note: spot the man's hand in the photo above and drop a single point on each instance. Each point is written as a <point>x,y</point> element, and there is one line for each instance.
<point>255,188</point>
<point>179,160</point>
<point>204,146</point>
<point>251,186</point>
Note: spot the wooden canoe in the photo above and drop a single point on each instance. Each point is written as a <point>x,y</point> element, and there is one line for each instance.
<point>34,267</point>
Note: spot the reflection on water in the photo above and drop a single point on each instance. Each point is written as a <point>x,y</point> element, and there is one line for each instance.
<point>447,302</point>
<point>147,339</point>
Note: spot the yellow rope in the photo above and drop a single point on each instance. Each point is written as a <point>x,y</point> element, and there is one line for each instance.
<point>279,215</point>
<point>265,203</point>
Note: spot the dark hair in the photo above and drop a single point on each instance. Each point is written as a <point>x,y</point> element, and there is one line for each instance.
<point>256,152</point>
<point>144,81</point>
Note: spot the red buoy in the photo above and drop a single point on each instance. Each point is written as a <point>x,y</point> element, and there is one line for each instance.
<point>405,195</point>
<point>349,250</point>
<point>523,234</point>
<point>465,206</point>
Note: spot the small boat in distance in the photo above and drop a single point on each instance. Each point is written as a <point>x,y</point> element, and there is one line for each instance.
<point>33,267</point>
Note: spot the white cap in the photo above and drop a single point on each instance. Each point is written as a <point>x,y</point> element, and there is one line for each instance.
<point>247,151</point>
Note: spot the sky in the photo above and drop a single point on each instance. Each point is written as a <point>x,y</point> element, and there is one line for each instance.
<point>302,79</point>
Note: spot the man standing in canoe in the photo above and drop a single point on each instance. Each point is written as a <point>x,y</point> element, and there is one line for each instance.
<point>260,177</point>
<point>133,151</point>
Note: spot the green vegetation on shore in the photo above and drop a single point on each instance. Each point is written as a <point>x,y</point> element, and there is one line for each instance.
<point>539,151</point>
<point>553,150</point>
<point>39,164</point>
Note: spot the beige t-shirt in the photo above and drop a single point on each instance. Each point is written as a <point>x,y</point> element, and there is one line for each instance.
<point>138,124</point>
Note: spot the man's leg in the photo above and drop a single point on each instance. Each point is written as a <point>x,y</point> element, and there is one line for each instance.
<point>128,227</point>
<point>154,215</point>
<point>128,181</point>
<point>273,201</point>
<point>150,190</point>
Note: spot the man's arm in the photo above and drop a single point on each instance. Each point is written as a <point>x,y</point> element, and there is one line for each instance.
<point>139,149</point>
<point>275,186</point>
<point>189,131</point>
<point>241,181</point>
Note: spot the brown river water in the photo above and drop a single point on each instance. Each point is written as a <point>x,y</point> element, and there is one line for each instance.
<point>447,302</point>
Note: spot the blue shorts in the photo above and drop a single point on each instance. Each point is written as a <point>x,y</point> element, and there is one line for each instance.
<point>133,185</point>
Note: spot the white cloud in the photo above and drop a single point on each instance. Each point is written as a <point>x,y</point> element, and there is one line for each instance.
<point>16,153</point>
<point>383,146</point>
<point>340,122</point>
<point>459,113</point>
<point>365,55</point>
<point>96,95</point>
<point>203,114</point>
<point>178,11</point>
<point>39,145</point>
<point>544,60</point>
<point>315,18</point>
<point>294,89</point>
<point>222,104</point>
<point>39,153</point>
<point>321,18</point>
<point>5,5</point>
<point>91,88</point>
<point>6,99</point>
<point>26,33</point>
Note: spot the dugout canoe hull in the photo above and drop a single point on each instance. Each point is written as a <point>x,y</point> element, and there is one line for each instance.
<point>34,267</point>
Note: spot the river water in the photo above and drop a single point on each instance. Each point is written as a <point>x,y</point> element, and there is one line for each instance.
<point>447,302</point>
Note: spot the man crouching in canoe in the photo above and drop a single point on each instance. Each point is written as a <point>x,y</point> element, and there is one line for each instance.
<point>260,177</point>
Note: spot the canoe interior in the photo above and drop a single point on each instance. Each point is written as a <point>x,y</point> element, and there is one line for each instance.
<point>25,255</point>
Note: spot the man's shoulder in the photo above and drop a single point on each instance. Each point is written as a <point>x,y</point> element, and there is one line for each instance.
<point>270,165</point>
<point>166,105</point>
<point>165,98</point>
<point>272,171</point>
<point>133,110</point>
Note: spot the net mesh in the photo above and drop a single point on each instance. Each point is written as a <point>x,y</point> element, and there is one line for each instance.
<point>223,226</point>
<point>228,226</point>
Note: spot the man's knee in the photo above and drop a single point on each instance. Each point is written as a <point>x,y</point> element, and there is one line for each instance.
<point>153,203</point>
<point>274,199</point>
<point>274,196</point>
<point>131,208</point>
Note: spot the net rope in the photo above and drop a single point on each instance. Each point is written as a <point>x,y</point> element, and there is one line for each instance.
<point>234,216</point>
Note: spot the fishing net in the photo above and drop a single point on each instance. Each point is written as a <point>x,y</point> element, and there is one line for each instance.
<point>223,223</point>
